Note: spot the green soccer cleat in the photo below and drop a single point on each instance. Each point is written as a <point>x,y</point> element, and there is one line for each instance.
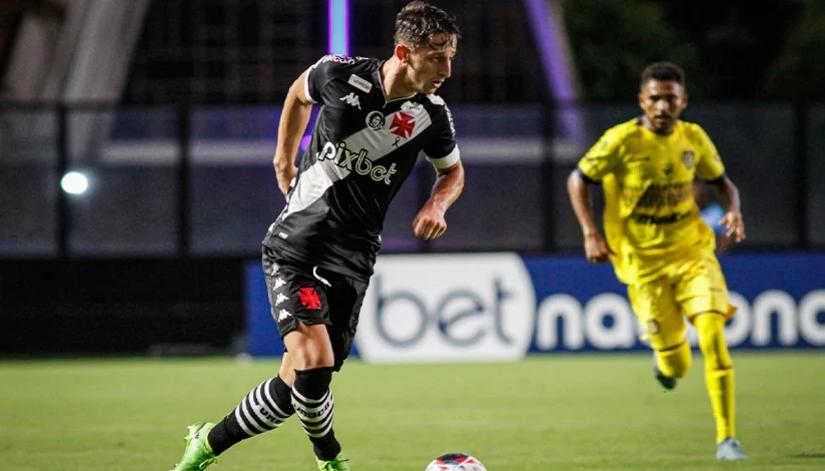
<point>730,449</point>
<point>198,454</point>
<point>339,463</point>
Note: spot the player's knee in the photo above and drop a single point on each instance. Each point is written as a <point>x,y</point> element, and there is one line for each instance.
<point>312,358</point>
<point>309,348</point>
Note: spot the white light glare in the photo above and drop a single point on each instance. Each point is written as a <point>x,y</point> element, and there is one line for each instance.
<point>74,183</point>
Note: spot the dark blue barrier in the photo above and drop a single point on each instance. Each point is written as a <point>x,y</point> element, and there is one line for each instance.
<point>500,306</point>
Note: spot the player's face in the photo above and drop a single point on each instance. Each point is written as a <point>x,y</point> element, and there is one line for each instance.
<point>430,65</point>
<point>662,102</point>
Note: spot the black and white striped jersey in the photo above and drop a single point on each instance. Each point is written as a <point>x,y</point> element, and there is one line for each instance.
<point>363,148</point>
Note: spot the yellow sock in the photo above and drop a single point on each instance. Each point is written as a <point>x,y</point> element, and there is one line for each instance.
<point>674,362</point>
<point>718,372</point>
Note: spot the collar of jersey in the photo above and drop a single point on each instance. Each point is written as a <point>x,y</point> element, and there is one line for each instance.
<point>676,126</point>
<point>376,76</point>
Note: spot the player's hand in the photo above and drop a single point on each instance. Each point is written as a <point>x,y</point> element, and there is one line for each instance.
<point>429,223</point>
<point>596,249</point>
<point>286,179</point>
<point>735,224</point>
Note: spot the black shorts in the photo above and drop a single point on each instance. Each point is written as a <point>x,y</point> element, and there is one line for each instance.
<point>314,296</point>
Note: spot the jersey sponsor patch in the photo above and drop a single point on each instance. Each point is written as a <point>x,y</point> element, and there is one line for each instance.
<point>359,162</point>
<point>309,298</point>
<point>359,83</point>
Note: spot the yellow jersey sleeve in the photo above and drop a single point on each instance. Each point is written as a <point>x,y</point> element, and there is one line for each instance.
<point>709,165</point>
<point>603,157</point>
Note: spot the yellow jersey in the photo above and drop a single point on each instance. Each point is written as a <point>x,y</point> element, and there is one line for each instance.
<point>650,217</point>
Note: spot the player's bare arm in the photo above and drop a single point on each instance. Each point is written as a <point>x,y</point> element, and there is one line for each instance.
<point>595,247</point>
<point>430,223</point>
<point>733,213</point>
<point>294,120</point>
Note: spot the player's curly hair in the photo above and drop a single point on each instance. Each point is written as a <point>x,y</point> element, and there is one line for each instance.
<point>663,71</point>
<point>419,21</point>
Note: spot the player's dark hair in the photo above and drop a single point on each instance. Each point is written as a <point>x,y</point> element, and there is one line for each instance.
<point>663,71</point>
<point>419,21</point>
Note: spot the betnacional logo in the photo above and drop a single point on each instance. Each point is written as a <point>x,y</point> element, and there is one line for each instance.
<point>447,308</point>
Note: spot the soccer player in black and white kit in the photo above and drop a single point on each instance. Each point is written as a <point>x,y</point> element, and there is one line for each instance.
<point>318,255</point>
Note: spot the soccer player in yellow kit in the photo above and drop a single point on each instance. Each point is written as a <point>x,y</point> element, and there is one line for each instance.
<point>656,241</point>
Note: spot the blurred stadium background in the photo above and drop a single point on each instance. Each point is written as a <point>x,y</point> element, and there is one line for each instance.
<point>170,109</point>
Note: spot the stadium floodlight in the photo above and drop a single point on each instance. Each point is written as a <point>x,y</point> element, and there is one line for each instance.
<point>74,183</point>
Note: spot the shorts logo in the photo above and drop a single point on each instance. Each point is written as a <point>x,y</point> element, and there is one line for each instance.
<point>653,326</point>
<point>688,158</point>
<point>403,124</point>
<point>309,298</point>
<point>351,100</point>
<point>375,120</point>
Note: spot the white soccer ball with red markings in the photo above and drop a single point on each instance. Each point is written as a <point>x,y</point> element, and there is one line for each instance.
<point>455,462</point>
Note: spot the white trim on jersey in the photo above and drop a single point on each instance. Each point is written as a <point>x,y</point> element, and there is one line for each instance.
<point>306,83</point>
<point>447,161</point>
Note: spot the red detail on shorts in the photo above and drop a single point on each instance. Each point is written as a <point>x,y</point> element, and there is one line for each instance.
<point>309,297</point>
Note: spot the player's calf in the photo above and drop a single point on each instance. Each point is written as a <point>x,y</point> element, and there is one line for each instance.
<point>264,408</point>
<point>314,405</point>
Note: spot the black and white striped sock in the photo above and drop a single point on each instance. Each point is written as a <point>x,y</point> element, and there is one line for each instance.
<point>265,408</point>
<point>315,407</point>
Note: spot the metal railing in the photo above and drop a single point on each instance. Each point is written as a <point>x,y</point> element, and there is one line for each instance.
<point>197,181</point>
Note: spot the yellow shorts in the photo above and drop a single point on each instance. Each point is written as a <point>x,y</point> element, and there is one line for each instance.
<point>689,287</point>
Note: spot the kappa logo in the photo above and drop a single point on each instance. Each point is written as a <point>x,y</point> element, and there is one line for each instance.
<point>278,283</point>
<point>352,100</point>
<point>309,298</point>
<point>280,298</point>
<point>450,120</point>
<point>283,314</point>
<point>402,125</point>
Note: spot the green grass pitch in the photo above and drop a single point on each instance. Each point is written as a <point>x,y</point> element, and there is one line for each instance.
<point>547,413</point>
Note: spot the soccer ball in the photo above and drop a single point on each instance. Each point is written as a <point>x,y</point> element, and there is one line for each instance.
<point>455,462</point>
